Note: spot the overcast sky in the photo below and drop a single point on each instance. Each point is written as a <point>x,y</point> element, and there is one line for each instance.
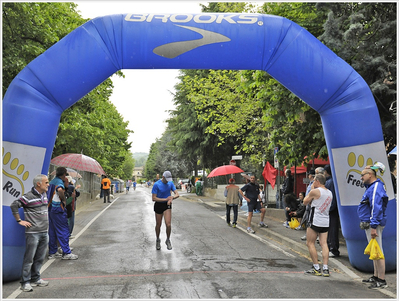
<point>143,97</point>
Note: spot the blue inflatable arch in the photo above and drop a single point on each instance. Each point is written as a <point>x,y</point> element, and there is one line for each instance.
<point>74,66</point>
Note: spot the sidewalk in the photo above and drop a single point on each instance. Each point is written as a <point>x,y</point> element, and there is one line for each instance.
<point>290,238</point>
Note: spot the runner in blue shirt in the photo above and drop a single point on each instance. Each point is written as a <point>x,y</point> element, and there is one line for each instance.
<point>163,206</point>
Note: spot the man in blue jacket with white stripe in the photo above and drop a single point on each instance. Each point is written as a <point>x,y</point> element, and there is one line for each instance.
<point>373,217</point>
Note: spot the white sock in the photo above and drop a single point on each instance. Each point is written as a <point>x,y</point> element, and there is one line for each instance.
<point>316,266</point>
<point>325,266</point>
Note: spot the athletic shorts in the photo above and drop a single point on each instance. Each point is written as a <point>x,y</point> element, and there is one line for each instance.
<point>161,207</point>
<point>253,205</point>
<point>378,238</point>
<point>319,229</point>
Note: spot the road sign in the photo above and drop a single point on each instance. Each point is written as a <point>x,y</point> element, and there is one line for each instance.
<point>238,157</point>
<point>275,157</point>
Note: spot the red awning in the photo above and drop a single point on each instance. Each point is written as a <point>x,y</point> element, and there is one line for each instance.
<point>302,169</point>
<point>318,161</point>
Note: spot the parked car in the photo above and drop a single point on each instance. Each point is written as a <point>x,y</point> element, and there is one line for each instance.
<point>186,182</point>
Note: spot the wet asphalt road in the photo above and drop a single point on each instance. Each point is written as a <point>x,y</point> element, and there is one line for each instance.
<point>209,260</point>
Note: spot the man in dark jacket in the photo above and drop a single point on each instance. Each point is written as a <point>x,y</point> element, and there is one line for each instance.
<point>34,204</point>
<point>288,188</point>
<point>73,195</point>
<point>333,231</point>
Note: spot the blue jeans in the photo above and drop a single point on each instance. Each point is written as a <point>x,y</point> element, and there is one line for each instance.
<point>35,253</point>
<point>235,210</point>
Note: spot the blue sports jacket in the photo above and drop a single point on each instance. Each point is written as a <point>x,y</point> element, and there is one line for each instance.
<point>373,205</point>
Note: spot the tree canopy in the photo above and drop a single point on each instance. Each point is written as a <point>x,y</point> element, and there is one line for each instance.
<point>92,126</point>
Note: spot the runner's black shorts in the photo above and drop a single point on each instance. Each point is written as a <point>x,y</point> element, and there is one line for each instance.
<point>160,207</point>
<point>254,205</point>
<point>319,229</point>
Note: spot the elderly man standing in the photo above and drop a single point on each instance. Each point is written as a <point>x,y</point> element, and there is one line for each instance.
<point>34,204</point>
<point>373,217</point>
<point>232,200</point>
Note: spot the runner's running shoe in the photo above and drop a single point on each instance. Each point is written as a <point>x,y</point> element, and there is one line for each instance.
<point>372,279</point>
<point>378,284</point>
<point>326,273</point>
<point>313,271</point>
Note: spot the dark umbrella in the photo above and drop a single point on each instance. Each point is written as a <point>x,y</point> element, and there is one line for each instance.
<point>79,162</point>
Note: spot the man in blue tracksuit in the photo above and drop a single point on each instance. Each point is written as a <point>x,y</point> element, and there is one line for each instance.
<point>373,217</point>
<point>58,218</point>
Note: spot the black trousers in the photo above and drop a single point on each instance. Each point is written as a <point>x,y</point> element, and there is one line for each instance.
<point>333,233</point>
<point>235,211</point>
<point>106,195</point>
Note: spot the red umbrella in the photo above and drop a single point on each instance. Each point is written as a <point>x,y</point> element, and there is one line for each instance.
<point>224,170</point>
<point>79,162</point>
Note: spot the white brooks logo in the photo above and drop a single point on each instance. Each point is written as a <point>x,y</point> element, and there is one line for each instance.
<point>172,50</point>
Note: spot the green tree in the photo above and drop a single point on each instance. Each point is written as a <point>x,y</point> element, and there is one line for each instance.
<point>189,136</point>
<point>228,7</point>
<point>290,123</point>
<point>151,168</point>
<point>94,127</point>
<point>91,126</point>
<point>128,166</point>
<point>230,114</point>
<point>228,104</point>
<point>364,35</point>
<point>30,28</point>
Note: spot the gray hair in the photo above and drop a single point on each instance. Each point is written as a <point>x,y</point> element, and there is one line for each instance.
<point>37,179</point>
<point>319,170</point>
<point>321,178</point>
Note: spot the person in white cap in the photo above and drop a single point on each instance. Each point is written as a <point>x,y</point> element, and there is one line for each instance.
<point>373,217</point>
<point>161,195</point>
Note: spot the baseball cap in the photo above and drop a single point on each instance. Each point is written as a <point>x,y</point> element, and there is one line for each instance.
<point>378,166</point>
<point>311,172</point>
<point>168,176</point>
